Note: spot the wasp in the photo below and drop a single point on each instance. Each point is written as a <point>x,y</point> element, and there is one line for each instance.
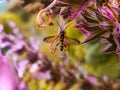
<point>60,41</point>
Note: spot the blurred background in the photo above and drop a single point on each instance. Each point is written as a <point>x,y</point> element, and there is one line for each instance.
<point>22,42</point>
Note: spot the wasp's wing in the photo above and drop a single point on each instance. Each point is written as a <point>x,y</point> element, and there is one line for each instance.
<point>71,41</point>
<point>48,39</point>
<point>54,42</point>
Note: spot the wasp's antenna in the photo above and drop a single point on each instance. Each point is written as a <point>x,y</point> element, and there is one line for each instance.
<point>67,26</point>
<point>59,25</point>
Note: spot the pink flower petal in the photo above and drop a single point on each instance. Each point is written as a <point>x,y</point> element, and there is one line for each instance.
<point>1,27</point>
<point>12,24</point>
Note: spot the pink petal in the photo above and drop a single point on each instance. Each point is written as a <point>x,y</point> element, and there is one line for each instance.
<point>1,27</point>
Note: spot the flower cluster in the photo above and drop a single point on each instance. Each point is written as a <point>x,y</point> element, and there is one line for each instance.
<point>96,19</point>
<point>102,23</point>
<point>13,46</point>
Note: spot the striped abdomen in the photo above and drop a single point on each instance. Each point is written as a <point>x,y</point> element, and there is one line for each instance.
<point>62,34</point>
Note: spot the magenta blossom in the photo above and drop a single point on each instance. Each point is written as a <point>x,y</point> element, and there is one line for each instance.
<point>1,27</point>
<point>103,23</point>
<point>12,24</point>
<point>8,76</point>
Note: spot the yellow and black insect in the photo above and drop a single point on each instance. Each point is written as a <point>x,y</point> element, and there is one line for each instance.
<point>60,41</point>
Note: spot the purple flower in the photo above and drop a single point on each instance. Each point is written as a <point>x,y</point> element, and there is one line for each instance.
<point>21,67</point>
<point>8,76</point>
<point>93,80</point>
<point>69,5</point>
<point>43,75</point>
<point>105,78</point>
<point>23,86</point>
<point>1,27</point>
<point>12,24</point>
<point>102,22</point>
<point>40,20</point>
<point>81,8</point>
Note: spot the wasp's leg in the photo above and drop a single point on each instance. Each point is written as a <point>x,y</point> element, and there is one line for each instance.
<point>64,45</point>
<point>53,49</point>
<point>54,45</point>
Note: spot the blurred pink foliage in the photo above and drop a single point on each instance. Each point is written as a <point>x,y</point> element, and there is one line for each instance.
<point>7,72</point>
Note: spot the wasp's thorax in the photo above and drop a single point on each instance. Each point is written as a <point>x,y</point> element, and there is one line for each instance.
<point>62,34</point>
